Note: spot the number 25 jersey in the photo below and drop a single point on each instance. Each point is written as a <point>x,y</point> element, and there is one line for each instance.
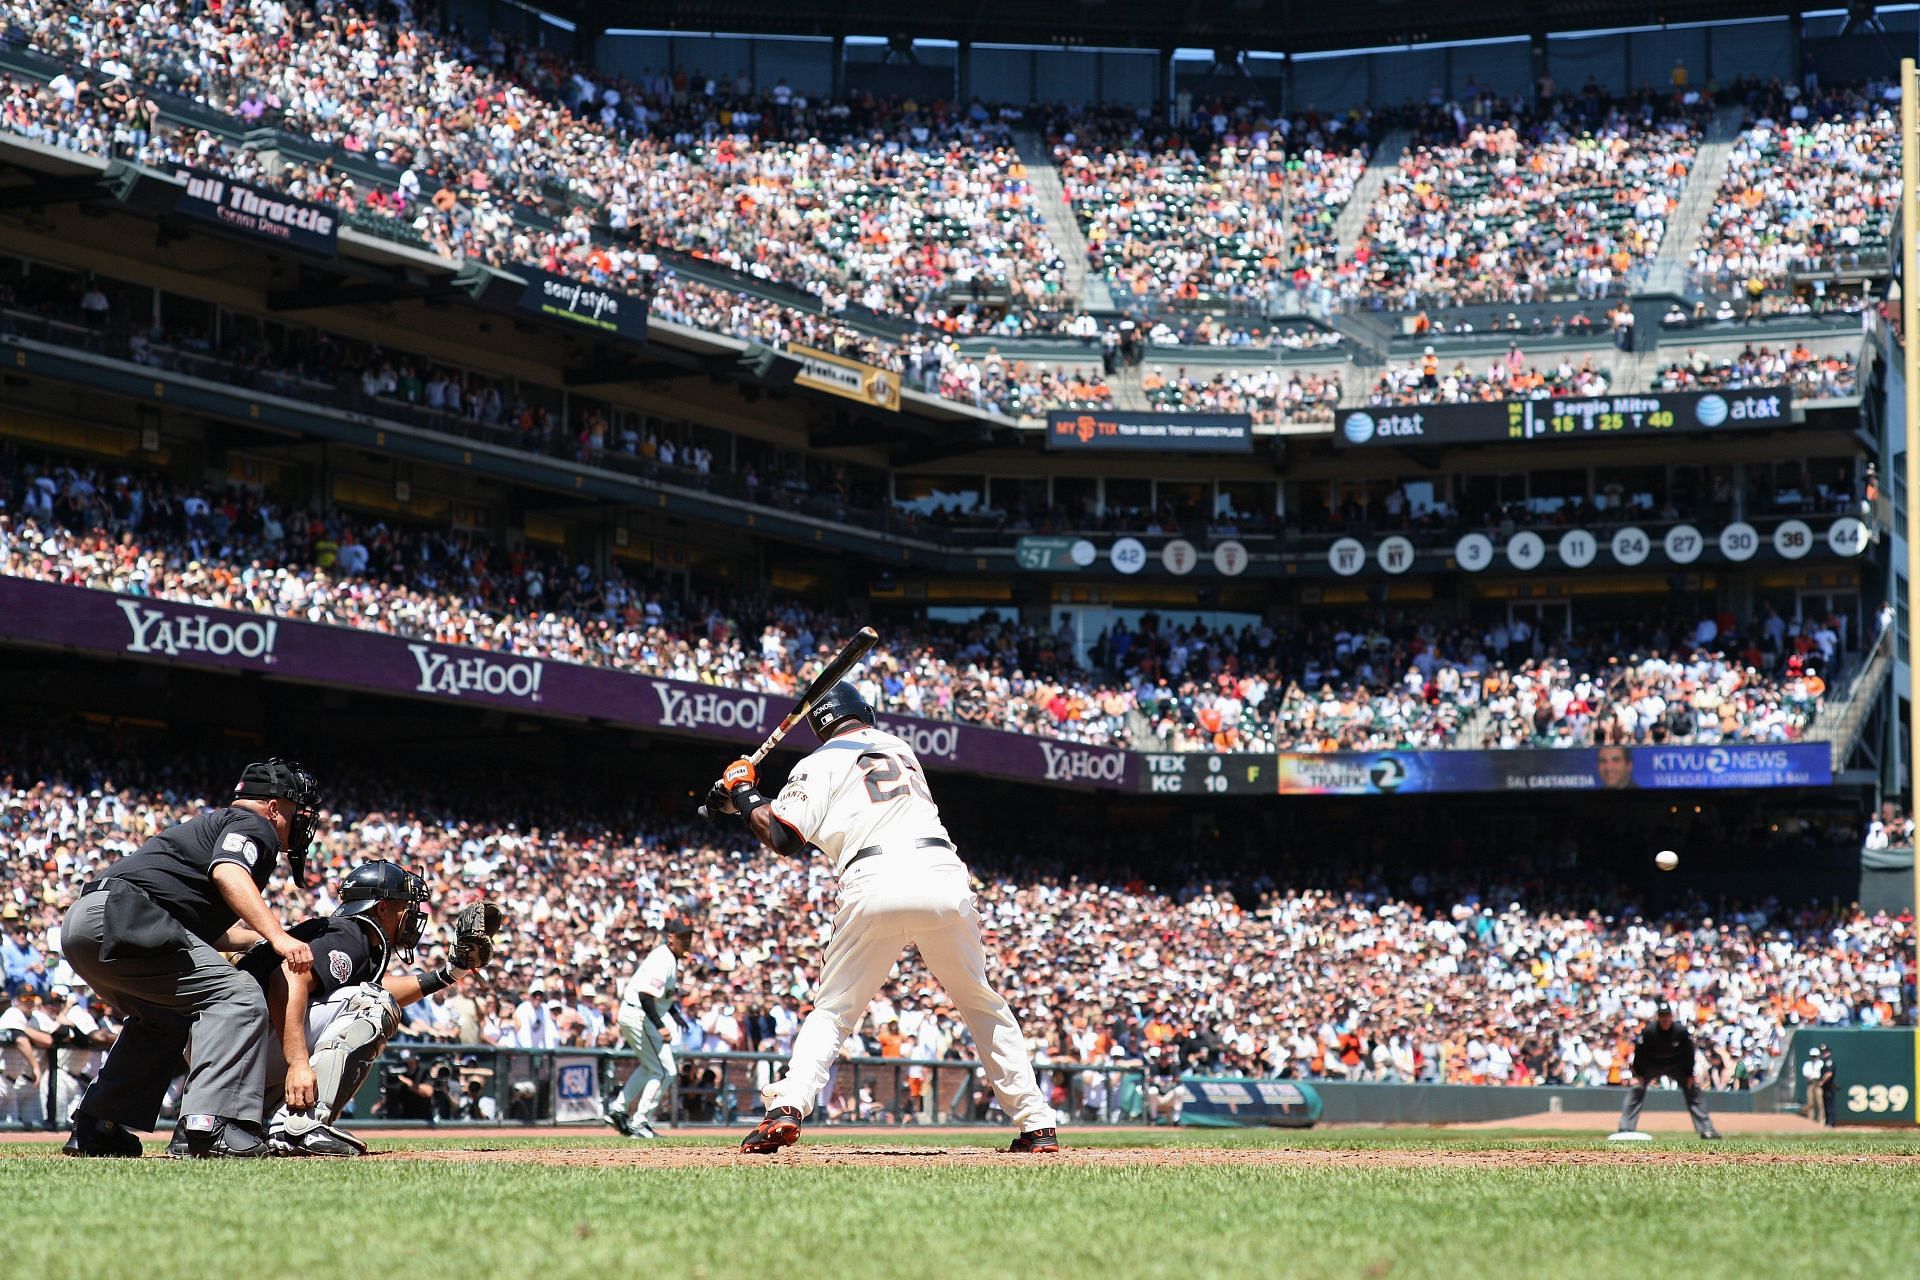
<point>860,789</point>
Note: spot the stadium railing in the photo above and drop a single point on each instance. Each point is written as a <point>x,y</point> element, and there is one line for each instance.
<point>560,1086</point>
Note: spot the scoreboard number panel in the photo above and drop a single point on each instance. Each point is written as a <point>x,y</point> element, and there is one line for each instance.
<point>1193,773</point>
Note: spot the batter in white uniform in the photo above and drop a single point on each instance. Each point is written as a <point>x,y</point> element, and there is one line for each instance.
<point>648,1029</point>
<point>861,799</point>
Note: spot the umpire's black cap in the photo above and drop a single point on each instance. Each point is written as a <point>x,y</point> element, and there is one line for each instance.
<point>1660,1007</point>
<point>278,779</point>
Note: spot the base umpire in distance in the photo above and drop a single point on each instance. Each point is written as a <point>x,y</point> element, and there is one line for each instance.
<point>147,935</point>
<point>1665,1049</point>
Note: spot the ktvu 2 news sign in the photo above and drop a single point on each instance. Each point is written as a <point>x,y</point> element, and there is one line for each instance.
<point>1666,413</point>
<point>1376,773</point>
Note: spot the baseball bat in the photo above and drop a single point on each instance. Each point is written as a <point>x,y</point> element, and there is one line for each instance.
<point>830,675</point>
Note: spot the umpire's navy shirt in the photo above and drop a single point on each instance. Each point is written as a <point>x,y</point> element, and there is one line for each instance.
<point>175,868</point>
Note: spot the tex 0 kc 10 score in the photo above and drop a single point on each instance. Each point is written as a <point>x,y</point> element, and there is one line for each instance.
<point>1200,774</point>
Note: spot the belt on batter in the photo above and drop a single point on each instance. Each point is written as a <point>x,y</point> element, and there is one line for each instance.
<point>930,842</point>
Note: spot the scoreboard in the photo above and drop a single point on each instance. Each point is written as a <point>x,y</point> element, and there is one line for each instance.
<point>1200,773</point>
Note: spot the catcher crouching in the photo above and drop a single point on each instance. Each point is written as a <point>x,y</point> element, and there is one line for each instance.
<point>330,1023</point>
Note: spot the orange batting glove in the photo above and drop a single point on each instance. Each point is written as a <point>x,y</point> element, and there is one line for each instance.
<point>740,772</point>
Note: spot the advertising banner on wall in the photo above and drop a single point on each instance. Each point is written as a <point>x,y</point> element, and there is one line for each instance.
<point>1236,1103</point>
<point>1365,773</point>
<point>258,213</point>
<point>1660,413</point>
<point>605,311</point>
<point>837,375</point>
<point>163,631</point>
<point>1121,431</point>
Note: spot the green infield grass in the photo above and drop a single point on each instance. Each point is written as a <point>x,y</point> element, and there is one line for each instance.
<point>1366,1203</point>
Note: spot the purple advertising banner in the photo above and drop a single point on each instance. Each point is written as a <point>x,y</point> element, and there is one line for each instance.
<point>163,631</point>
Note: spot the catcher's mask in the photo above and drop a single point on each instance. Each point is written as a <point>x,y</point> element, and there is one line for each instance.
<point>375,882</point>
<point>836,707</point>
<point>277,779</point>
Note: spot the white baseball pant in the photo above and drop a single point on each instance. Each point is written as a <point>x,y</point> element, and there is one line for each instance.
<point>23,1099</point>
<point>640,1097</point>
<point>887,902</point>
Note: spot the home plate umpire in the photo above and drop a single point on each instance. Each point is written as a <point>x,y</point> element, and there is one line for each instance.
<point>147,935</point>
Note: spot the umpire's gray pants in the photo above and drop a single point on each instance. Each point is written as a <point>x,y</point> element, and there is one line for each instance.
<point>189,992</point>
<point>1696,1106</point>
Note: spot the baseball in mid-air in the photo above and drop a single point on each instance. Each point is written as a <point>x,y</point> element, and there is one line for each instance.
<point>1666,859</point>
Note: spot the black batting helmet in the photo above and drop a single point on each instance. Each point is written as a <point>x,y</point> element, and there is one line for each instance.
<point>374,882</point>
<point>277,779</point>
<point>837,706</point>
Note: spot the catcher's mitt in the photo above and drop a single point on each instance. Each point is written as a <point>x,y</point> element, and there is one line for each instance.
<point>473,931</point>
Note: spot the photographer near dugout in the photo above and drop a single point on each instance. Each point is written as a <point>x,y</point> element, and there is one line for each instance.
<point>331,1021</point>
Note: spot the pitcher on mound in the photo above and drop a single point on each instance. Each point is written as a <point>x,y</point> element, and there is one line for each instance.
<point>862,800</point>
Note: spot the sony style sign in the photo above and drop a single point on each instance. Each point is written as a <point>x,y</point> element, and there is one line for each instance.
<point>589,306</point>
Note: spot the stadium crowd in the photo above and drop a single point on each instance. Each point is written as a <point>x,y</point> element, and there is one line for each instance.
<point>1517,204</point>
<point>1813,184</point>
<point>487,179</point>
<point>1509,377</point>
<point>1827,376</point>
<point>1218,208</point>
<point>1363,972</point>
<point>1271,394</point>
<point>1157,685</point>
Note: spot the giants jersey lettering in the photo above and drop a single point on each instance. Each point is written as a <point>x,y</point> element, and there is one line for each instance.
<point>863,788</point>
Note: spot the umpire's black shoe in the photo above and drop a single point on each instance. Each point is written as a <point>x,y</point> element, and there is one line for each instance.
<point>177,1144</point>
<point>93,1136</point>
<point>1036,1142</point>
<point>218,1138</point>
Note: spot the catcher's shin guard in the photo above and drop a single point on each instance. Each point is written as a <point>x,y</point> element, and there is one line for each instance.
<point>780,1128</point>
<point>342,1057</point>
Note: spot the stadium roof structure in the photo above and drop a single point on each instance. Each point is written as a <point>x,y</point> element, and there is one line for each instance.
<point>1291,26</point>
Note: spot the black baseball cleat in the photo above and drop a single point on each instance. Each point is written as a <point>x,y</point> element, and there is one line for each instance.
<point>94,1137</point>
<point>1036,1142</point>
<point>780,1128</point>
<point>1711,1135</point>
<point>218,1138</point>
<point>620,1123</point>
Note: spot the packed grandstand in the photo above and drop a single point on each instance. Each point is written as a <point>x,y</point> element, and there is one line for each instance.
<point>1355,683</point>
<point>1507,975</point>
<point>913,212</point>
<point>1226,256</point>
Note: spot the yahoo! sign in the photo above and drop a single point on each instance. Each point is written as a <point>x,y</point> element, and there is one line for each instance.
<point>705,708</point>
<point>480,673</point>
<point>163,631</point>
<point>155,629</point>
